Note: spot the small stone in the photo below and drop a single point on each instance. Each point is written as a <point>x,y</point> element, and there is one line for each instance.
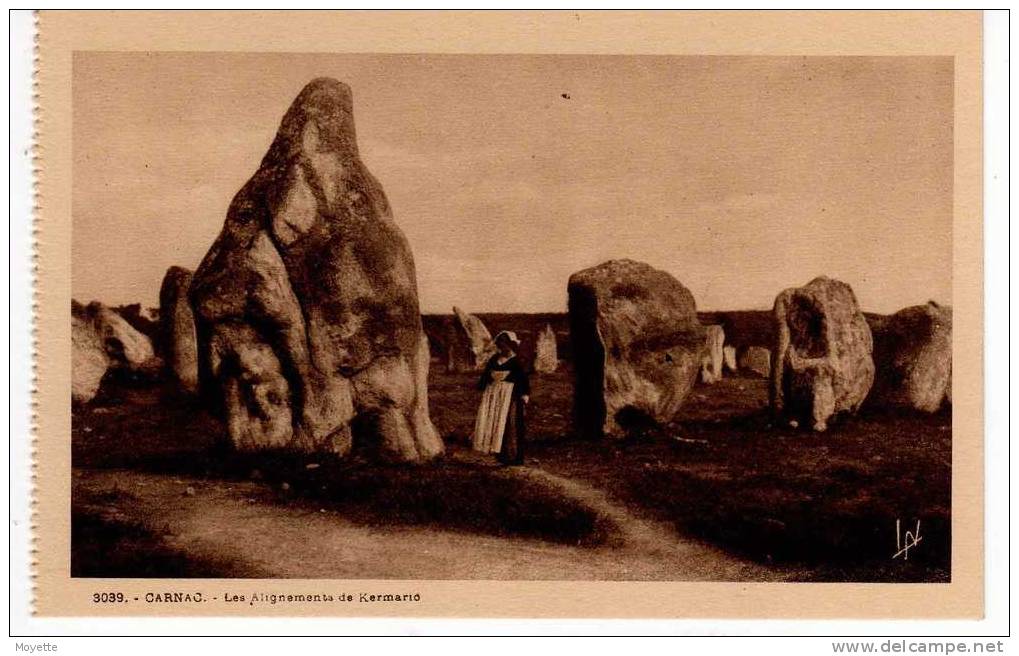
<point>312,465</point>
<point>285,486</point>
<point>712,363</point>
<point>190,491</point>
<point>729,359</point>
<point>756,360</point>
<point>546,354</point>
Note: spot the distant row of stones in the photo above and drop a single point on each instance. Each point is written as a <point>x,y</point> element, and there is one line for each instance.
<point>302,329</point>
<point>470,345</point>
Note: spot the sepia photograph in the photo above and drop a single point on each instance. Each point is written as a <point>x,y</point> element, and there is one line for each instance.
<point>511,317</point>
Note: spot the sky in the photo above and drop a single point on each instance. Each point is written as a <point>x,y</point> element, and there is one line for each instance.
<point>740,176</point>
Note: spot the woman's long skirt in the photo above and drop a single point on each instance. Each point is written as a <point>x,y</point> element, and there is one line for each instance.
<point>493,413</point>
<point>512,452</point>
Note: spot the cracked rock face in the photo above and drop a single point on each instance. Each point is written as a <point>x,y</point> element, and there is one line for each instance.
<point>306,305</point>
<point>913,355</point>
<point>177,329</point>
<point>637,346</point>
<point>822,362</point>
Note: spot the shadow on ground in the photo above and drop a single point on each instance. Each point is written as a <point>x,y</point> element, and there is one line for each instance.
<point>827,502</point>
<point>109,544</point>
<point>722,473</point>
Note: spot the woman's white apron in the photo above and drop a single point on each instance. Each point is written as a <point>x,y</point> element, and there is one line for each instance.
<point>492,413</point>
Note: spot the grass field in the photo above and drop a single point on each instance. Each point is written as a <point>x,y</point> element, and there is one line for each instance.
<point>804,506</point>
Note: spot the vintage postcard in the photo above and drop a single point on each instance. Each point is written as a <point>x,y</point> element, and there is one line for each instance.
<point>512,314</point>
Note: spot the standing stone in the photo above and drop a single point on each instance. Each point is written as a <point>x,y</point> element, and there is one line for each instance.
<point>102,340</point>
<point>711,365</point>
<point>913,356</point>
<point>472,344</point>
<point>822,364</point>
<point>306,306</point>
<point>637,346</point>
<point>546,354</point>
<point>177,329</point>
<point>89,361</point>
<point>756,360</point>
<point>126,347</point>
<point>729,359</point>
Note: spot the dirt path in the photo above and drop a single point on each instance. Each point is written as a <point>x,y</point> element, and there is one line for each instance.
<point>224,520</point>
<point>656,540</point>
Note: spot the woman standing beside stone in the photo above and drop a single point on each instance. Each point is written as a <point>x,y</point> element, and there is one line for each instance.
<point>500,426</point>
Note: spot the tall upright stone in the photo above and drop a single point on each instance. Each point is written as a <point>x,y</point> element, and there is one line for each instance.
<point>711,365</point>
<point>822,363</point>
<point>306,306</point>
<point>637,346</point>
<point>913,356</point>
<point>177,329</point>
<point>546,352</point>
<point>471,345</point>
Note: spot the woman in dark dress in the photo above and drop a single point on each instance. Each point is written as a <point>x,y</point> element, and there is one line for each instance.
<point>502,369</point>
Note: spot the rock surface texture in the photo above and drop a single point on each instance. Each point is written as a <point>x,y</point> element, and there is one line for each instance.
<point>711,365</point>
<point>546,353</point>
<point>472,345</point>
<point>913,357</point>
<point>756,360</point>
<point>823,361</point>
<point>177,329</point>
<point>306,306</point>
<point>89,361</point>
<point>637,346</point>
